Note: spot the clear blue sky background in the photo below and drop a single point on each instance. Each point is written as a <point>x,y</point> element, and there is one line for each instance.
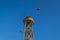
<point>47,20</point>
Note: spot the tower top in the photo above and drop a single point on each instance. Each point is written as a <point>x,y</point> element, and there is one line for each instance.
<point>28,21</point>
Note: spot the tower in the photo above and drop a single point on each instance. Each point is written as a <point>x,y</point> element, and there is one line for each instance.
<point>28,30</point>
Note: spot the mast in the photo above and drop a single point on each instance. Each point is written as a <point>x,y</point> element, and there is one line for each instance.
<point>28,30</point>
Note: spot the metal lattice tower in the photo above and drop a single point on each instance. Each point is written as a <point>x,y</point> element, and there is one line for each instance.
<point>28,30</point>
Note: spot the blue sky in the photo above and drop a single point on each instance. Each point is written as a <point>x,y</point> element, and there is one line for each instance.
<point>47,20</point>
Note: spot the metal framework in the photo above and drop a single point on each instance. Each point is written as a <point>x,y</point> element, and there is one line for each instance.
<point>28,30</point>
